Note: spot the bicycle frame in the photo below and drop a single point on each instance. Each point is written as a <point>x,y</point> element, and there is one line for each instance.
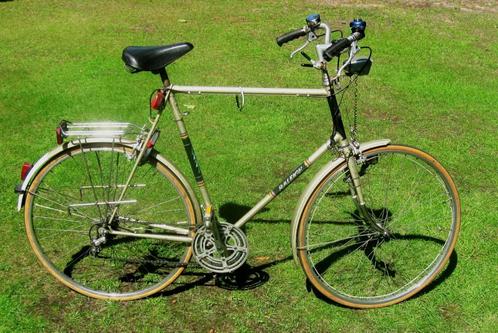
<point>294,174</point>
<point>194,164</point>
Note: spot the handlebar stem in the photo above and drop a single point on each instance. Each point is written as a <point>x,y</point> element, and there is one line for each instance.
<point>327,32</point>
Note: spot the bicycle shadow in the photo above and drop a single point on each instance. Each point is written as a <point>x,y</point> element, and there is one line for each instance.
<point>443,275</point>
<point>250,277</point>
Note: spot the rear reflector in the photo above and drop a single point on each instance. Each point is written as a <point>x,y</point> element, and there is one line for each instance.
<point>26,167</point>
<point>157,102</point>
<point>58,133</point>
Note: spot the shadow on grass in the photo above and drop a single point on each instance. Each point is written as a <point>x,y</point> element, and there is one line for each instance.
<point>450,268</point>
<point>246,277</point>
<point>249,277</point>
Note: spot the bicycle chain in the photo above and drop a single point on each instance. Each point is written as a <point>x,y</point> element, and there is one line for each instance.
<point>354,127</point>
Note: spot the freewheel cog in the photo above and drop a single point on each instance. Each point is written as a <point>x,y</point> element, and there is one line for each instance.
<point>210,258</point>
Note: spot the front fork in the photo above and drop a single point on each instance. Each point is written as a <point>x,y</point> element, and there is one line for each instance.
<point>351,153</point>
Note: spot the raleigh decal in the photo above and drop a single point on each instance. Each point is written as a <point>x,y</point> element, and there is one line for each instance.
<point>296,173</point>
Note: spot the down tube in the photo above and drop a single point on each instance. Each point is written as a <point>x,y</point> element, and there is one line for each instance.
<point>283,185</point>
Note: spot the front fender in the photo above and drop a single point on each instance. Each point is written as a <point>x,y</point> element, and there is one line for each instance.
<point>314,183</point>
<point>48,156</point>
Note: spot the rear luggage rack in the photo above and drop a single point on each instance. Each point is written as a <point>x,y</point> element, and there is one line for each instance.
<point>67,129</point>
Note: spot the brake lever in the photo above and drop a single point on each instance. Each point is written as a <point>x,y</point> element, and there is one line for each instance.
<point>299,49</point>
<point>353,50</point>
<point>311,37</point>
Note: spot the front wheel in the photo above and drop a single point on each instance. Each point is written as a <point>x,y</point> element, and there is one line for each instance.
<point>414,200</point>
<point>68,219</point>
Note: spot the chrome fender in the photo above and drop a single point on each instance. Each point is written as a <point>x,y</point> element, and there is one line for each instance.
<point>314,183</point>
<point>48,156</point>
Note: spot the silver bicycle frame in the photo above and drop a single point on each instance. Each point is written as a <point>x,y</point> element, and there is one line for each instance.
<point>199,90</point>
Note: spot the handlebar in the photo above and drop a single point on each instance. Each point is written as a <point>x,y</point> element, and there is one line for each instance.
<point>291,35</point>
<point>327,50</point>
<point>336,48</point>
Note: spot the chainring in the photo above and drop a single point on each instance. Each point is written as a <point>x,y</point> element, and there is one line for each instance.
<point>210,258</point>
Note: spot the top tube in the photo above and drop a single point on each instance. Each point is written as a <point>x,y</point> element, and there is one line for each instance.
<point>198,90</point>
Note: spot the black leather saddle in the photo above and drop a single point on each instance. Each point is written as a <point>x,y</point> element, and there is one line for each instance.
<point>153,58</point>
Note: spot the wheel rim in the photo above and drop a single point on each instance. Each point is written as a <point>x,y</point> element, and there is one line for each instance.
<point>63,230</point>
<point>356,265</point>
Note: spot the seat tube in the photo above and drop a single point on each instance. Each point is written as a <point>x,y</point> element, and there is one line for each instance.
<point>189,149</point>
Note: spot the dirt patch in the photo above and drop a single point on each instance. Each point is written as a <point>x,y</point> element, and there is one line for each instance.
<point>477,6</point>
<point>450,311</point>
<point>371,114</point>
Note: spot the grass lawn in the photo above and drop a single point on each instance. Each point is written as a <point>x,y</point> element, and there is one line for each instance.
<point>433,84</point>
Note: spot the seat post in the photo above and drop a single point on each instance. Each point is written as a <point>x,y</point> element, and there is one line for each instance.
<point>164,76</point>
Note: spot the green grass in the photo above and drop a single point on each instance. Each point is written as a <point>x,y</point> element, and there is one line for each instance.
<point>433,85</point>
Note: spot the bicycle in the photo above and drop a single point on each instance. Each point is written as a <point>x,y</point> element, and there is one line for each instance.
<point>111,218</point>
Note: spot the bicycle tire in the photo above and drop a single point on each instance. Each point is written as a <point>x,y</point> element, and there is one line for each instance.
<point>412,196</point>
<point>61,223</point>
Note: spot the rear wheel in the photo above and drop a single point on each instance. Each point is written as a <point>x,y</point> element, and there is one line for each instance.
<point>67,219</point>
<point>412,197</point>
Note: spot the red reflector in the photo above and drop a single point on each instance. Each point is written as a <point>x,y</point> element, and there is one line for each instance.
<point>158,100</point>
<point>26,167</point>
<point>150,144</point>
<point>58,132</point>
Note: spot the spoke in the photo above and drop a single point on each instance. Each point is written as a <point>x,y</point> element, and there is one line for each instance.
<point>48,188</point>
<point>159,204</point>
<point>61,205</point>
<point>149,170</point>
<point>76,259</point>
<point>324,244</point>
<point>89,176</point>
<point>62,195</point>
<point>357,248</point>
<point>64,230</point>
<point>51,208</point>
<point>106,195</point>
<point>57,219</point>
<point>116,176</point>
<point>372,258</point>
<point>110,172</point>
<point>412,186</point>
